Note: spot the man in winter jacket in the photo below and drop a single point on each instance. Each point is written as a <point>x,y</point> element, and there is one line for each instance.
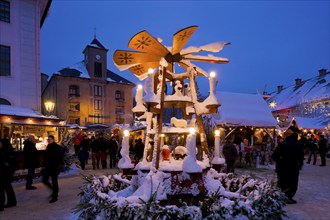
<point>113,148</point>
<point>312,149</point>
<point>323,148</point>
<point>230,153</point>
<point>53,165</point>
<point>289,156</point>
<point>31,160</point>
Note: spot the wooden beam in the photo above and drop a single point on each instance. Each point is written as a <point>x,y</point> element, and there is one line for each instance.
<point>160,120</point>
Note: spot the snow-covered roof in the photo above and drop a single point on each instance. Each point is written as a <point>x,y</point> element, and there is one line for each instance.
<point>309,123</point>
<point>242,109</point>
<point>313,89</point>
<point>96,43</point>
<point>11,110</point>
<point>75,126</point>
<point>79,70</point>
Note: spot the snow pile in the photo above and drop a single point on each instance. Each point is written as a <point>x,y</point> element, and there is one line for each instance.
<point>145,196</point>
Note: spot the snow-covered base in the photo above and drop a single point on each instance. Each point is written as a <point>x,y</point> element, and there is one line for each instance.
<point>227,197</point>
<point>218,160</point>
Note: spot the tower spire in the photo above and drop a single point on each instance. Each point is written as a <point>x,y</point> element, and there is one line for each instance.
<point>94,32</point>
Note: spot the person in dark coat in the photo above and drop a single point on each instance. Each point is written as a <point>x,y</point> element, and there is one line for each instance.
<point>289,157</point>
<point>31,160</point>
<point>95,149</point>
<point>7,168</point>
<point>230,153</point>
<point>103,146</point>
<point>53,165</point>
<point>113,148</point>
<point>139,150</point>
<point>83,151</point>
<point>312,149</point>
<point>323,148</point>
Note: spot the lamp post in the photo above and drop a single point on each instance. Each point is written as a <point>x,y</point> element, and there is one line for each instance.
<point>49,106</point>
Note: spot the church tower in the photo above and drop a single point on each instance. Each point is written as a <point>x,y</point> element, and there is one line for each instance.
<point>95,58</point>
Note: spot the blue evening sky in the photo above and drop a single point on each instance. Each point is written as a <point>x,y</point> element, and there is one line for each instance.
<point>272,42</point>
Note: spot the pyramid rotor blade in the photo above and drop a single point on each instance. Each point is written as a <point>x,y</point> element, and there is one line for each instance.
<point>207,59</point>
<point>125,57</point>
<point>186,64</point>
<point>145,42</point>
<point>181,37</point>
<point>142,69</point>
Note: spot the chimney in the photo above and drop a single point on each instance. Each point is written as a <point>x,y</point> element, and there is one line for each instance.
<point>298,82</point>
<point>279,88</point>
<point>322,72</point>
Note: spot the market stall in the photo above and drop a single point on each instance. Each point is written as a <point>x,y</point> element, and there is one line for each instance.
<point>246,116</point>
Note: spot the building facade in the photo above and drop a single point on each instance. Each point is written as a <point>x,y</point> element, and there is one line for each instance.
<point>308,98</point>
<point>87,93</point>
<point>20,23</point>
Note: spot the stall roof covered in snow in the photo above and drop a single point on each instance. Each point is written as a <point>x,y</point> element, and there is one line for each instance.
<point>79,70</point>
<point>309,123</point>
<point>313,89</point>
<point>11,110</point>
<point>241,109</point>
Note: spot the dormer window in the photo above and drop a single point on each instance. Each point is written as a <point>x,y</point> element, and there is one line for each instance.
<point>74,90</point>
<point>119,95</point>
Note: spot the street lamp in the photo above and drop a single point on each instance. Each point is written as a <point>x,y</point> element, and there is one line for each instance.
<point>49,106</point>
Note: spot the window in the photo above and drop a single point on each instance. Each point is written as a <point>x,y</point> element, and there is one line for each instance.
<point>97,118</point>
<point>118,95</point>
<point>74,120</point>
<point>119,111</point>
<point>97,104</point>
<point>4,60</point>
<point>97,90</point>
<point>73,90</point>
<point>4,11</point>
<point>97,69</point>
<point>4,102</point>
<point>74,106</point>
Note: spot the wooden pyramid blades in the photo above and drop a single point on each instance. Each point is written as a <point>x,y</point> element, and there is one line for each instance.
<point>149,51</point>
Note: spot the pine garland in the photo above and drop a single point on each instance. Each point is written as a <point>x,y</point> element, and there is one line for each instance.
<point>238,198</point>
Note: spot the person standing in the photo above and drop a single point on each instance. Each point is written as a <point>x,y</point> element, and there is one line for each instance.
<point>230,153</point>
<point>312,149</point>
<point>76,139</point>
<point>113,145</point>
<point>31,160</point>
<point>103,146</point>
<point>7,169</point>
<point>139,150</point>
<point>83,151</point>
<point>53,164</point>
<point>289,157</point>
<point>94,147</point>
<point>323,148</point>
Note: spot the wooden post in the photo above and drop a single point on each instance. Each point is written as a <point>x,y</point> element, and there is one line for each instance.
<point>199,121</point>
<point>160,119</point>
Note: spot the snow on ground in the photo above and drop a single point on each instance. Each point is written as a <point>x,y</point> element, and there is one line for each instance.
<point>313,195</point>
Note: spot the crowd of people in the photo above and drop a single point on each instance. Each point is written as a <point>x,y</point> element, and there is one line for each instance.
<point>99,149</point>
<point>288,155</point>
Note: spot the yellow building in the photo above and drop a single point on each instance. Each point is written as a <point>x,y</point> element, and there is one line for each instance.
<point>87,93</point>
